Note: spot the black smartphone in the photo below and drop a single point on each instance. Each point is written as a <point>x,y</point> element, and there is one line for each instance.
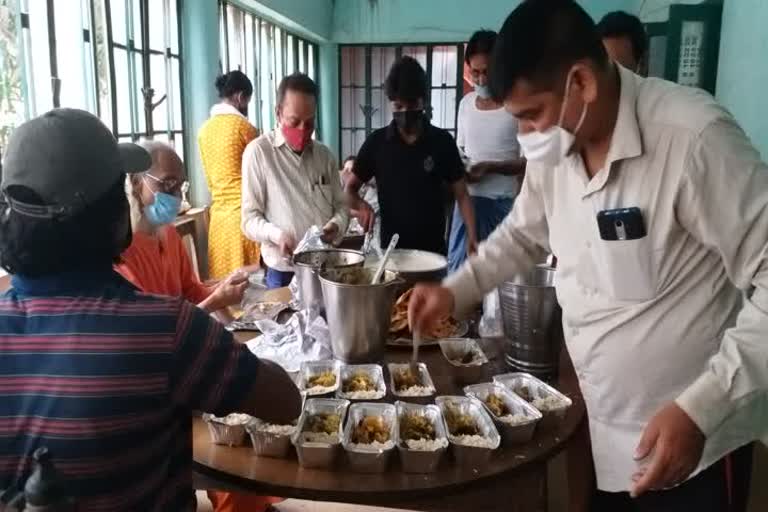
<point>621,224</point>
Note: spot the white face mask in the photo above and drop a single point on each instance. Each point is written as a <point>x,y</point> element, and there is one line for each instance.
<point>551,146</point>
<point>483,92</point>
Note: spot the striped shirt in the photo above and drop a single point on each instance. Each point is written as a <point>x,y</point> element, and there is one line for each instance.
<point>285,192</point>
<point>107,378</point>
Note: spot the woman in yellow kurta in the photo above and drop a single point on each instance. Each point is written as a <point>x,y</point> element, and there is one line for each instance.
<point>222,140</point>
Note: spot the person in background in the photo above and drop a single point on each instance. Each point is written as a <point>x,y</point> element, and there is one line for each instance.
<point>412,161</point>
<point>487,136</point>
<point>291,182</point>
<point>222,140</point>
<point>104,376</point>
<point>346,169</point>
<point>626,183</point>
<point>157,261</point>
<point>625,40</point>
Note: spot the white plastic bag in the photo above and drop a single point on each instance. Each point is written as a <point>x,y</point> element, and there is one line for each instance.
<point>312,241</point>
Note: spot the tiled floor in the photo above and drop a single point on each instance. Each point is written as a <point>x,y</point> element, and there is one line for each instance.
<point>759,501</point>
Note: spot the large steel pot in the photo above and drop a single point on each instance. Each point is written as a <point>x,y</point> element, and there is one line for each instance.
<point>307,264</point>
<point>358,312</point>
<point>531,317</point>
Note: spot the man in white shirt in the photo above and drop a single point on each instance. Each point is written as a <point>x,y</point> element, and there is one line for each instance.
<point>290,182</point>
<point>671,361</point>
<point>487,138</point>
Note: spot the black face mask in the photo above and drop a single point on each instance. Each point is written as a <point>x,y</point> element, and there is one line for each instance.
<point>409,121</point>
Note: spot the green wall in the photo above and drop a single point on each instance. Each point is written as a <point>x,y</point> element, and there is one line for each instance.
<point>743,70</point>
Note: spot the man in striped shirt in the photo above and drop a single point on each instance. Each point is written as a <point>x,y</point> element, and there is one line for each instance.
<point>105,377</point>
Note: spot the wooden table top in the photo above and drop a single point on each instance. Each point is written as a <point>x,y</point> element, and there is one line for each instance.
<point>241,469</point>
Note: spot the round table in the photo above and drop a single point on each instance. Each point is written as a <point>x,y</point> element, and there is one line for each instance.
<point>514,480</point>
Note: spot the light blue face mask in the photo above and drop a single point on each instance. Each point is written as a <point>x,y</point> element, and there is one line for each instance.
<point>483,91</point>
<point>164,210</point>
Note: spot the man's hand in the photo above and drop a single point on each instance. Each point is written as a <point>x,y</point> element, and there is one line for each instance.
<point>471,246</point>
<point>478,171</point>
<point>229,292</point>
<point>330,232</point>
<point>364,215</point>
<point>428,304</point>
<point>286,244</point>
<point>675,443</point>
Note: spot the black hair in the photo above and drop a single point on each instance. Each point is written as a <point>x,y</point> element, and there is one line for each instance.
<point>406,81</point>
<point>623,24</point>
<point>481,43</point>
<point>232,83</point>
<point>297,82</point>
<point>350,158</point>
<point>93,238</point>
<point>539,41</point>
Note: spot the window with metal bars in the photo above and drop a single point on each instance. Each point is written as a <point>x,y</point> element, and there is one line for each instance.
<point>364,105</point>
<point>119,59</point>
<point>266,53</point>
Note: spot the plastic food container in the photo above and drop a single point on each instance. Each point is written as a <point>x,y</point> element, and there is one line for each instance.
<point>315,454</point>
<point>468,456</point>
<point>370,458</point>
<point>516,427</point>
<point>455,349</point>
<point>270,440</point>
<point>423,395</point>
<point>541,393</point>
<point>422,461</point>
<point>312,368</point>
<point>227,430</point>
<point>374,371</point>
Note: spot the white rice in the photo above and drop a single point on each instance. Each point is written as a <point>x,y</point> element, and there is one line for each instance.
<point>363,395</point>
<point>514,419</point>
<point>233,419</point>
<point>476,441</point>
<point>548,403</point>
<point>280,430</point>
<point>416,391</point>
<point>372,447</point>
<point>425,445</point>
<point>320,390</point>
<point>319,438</point>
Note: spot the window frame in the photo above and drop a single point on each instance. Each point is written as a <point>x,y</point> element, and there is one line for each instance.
<point>368,87</point>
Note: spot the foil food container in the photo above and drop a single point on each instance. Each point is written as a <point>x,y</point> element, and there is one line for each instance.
<point>223,433</point>
<point>370,459</point>
<point>551,417</point>
<point>510,433</point>
<point>467,456</point>
<point>454,349</point>
<point>376,373</point>
<point>422,461</point>
<point>425,378</point>
<point>317,454</point>
<point>269,444</point>
<point>309,369</point>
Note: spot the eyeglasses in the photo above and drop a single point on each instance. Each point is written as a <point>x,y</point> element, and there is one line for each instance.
<point>168,185</point>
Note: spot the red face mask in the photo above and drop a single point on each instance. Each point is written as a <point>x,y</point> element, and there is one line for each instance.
<point>297,138</point>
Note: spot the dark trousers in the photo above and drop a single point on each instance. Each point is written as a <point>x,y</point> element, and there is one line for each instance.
<point>723,487</point>
<point>277,279</point>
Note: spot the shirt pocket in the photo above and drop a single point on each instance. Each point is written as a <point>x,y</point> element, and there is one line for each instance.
<point>628,268</point>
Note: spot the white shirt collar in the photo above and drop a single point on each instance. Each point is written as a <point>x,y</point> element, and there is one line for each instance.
<point>224,109</point>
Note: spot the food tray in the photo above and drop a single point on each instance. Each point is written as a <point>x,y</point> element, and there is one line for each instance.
<point>474,457</point>
<point>422,461</point>
<point>373,370</point>
<point>269,444</point>
<point>365,459</point>
<point>222,433</point>
<point>426,379</point>
<point>313,454</point>
<point>517,433</point>
<point>462,329</point>
<point>456,348</point>
<point>309,369</point>
<point>550,417</point>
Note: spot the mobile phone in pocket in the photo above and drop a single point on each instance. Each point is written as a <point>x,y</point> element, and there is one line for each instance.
<point>621,224</point>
